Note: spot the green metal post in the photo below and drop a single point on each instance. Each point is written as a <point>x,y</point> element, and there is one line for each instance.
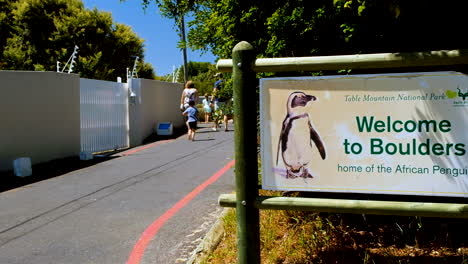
<point>425,209</point>
<point>361,61</point>
<point>246,171</point>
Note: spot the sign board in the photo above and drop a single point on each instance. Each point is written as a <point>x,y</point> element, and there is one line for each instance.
<point>384,134</point>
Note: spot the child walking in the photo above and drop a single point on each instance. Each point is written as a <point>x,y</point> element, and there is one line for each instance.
<point>207,107</point>
<point>191,113</point>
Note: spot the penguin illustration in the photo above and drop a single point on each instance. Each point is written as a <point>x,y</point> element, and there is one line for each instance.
<point>297,134</point>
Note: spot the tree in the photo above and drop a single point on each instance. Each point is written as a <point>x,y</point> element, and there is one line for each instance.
<point>279,28</point>
<point>176,10</point>
<point>5,27</point>
<point>202,73</point>
<point>324,27</point>
<point>42,32</point>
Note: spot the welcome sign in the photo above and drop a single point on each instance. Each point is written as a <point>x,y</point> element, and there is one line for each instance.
<point>387,133</point>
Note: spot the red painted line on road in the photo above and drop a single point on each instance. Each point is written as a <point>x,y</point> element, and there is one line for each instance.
<point>145,147</point>
<point>152,230</point>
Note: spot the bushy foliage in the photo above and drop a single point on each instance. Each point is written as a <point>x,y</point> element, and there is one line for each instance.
<point>38,33</point>
<point>295,28</point>
<point>307,28</point>
<point>202,73</point>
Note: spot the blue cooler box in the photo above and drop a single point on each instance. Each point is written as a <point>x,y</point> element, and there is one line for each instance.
<point>164,129</point>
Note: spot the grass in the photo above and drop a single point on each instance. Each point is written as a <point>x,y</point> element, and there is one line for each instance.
<point>307,237</point>
<point>224,253</point>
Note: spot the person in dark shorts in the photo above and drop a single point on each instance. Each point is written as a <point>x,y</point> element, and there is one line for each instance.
<point>192,117</point>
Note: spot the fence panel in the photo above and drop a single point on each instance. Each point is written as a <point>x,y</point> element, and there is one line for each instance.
<point>104,115</point>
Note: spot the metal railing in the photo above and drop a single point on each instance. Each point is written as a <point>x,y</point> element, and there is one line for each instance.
<point>247,200</point>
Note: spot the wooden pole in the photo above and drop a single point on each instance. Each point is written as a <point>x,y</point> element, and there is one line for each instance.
<point>246,171</point>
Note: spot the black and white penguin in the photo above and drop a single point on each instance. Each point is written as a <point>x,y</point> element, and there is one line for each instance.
<point>297,134</point>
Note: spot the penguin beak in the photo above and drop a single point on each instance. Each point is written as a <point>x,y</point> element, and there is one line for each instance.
<point>311,98</point>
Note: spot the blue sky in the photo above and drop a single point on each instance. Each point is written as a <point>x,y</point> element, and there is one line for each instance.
<point>159,33</point>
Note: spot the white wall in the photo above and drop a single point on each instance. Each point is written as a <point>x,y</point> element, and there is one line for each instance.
<point>156,101</point>
<point>40,116</point>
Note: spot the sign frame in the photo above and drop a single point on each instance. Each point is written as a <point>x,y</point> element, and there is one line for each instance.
<point>346,101</point>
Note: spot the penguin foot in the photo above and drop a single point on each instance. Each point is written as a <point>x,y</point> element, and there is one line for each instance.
<point>290,174</point>
<point>302,173</point>
<point>306,174</point>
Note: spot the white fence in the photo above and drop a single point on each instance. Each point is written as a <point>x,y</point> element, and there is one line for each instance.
<point>104,115</point>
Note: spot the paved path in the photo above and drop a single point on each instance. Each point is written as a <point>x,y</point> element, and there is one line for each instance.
<point>131,209</point>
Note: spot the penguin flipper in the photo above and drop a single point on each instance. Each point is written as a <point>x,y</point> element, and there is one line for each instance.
<point>277,152</point>
<point>283,128</point>
<point>315,137</point>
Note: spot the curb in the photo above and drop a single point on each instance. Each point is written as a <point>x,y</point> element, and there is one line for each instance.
<point>210,241</point>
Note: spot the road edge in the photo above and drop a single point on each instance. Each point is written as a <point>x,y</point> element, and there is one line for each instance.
<point>210,241</point>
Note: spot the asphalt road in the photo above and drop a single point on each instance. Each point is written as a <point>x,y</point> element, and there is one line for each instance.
<point>131,209</point>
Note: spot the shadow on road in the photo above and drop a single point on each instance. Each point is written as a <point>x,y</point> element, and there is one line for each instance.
<point>54,168</point>
<point>46,170</point>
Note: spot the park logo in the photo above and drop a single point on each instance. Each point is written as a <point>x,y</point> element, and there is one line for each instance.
<point>460,97</point>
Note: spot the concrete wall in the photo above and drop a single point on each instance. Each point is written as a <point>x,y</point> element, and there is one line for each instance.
<point>40,116</point>
<point>155,102</point>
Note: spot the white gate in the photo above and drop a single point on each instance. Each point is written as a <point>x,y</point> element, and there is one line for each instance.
<point>104,115</point>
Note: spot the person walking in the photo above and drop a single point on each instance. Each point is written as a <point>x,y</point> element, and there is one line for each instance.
<point>216,111</point>
<point>228,113</point>
<point>207,107</point>
<point>225,105</point>
<point>191,113</point>
<point>190,93</point>
<point>218,83</point>
<point>216,90</point>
